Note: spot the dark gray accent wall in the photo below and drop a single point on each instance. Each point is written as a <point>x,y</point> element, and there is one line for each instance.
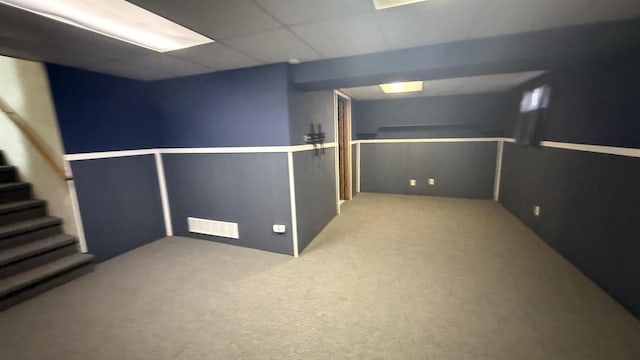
<point>249,189</point>
<point>119,200</point>
<point>463,169</point>
<point>589,206</point>
<point>481,115</point>
<point>315,180</point>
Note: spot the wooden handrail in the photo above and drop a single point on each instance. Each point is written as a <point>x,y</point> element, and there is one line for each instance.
<point>35,139</point>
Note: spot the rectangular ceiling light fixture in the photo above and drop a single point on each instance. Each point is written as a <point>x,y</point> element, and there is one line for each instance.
<point>385,4</point>
<point>118,19</point>
<point>401,87</point>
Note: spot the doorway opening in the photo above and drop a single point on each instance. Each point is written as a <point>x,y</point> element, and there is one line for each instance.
<point>343,136</point>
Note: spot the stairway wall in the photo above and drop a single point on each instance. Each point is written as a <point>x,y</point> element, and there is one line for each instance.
<point>118,197</point>
<point>25,87</point>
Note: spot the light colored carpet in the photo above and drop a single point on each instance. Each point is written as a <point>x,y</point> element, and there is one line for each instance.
<point>393,277</point>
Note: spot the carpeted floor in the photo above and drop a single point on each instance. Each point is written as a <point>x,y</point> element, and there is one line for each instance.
<point>393,277</point>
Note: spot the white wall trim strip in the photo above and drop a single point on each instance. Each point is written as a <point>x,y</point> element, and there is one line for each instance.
<point>108,154</point>
<point>496,186</point>
<point>336,153</point>
<point>292,198</point>
<point>75,208</point>
<point>207,150</point>
<point>601,149</point>
<point>431,140</point>
<point>166,210</point>
<point>358,168</point>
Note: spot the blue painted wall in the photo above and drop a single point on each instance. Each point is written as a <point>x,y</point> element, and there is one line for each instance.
<point>589,201</point>
<point>249,189</point>
<point>98,112</point>
<point>427,117</point>
<point>119,202</point>
<point>247,107</point>
<point>315,182</point>
<point>306,107</point>
<point>460,169</point>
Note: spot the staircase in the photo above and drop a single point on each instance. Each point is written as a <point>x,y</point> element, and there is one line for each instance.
<point>35,256</point>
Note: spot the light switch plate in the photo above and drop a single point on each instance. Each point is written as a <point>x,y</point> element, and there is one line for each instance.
<point>431,181</point>
<point>279,229</point>
<point>412,182</point>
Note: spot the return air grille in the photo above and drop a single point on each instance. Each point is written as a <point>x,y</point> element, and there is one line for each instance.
<point>213,227</point>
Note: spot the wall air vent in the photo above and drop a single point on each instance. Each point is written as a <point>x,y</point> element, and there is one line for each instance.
<point>213,227</point>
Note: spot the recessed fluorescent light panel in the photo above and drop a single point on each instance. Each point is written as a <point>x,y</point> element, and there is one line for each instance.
<point>385,4</point>
<point>401,87</point>
<point>117,19</point>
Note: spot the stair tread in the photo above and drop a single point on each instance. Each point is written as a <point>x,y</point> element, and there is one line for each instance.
<point>33,276</point>
<point>28,225</point>
<point>37,247</point>
<point>13,185</point>
<point>20,205</point>
<point>6,167</point>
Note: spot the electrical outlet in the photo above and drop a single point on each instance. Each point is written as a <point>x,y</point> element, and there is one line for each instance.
<point>431,182</point>
<point>412,182</point>
<point>279,229</point>
<point>536,210</point>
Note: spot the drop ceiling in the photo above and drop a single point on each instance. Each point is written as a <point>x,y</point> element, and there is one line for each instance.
<point>454,86</point>
<point>255,32</point>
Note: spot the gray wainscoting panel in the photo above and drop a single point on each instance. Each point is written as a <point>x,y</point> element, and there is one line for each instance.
<point>462,169</point>
<point>249,189</point>
<point>589,206</point>
<point>315,179</point>
<point>120,204</point>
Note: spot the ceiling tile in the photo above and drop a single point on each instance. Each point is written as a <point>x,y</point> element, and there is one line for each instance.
<point>218,19</point>
<point>216,55</point>
<point>426,23</point>
<point>343,37</point>
<point>365,92</point>
<point>274,46</point>
<point>292,12</point>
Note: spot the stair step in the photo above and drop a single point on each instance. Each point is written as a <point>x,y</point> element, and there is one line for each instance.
<point>7,174</point>
<point>21,210</point>
<point>27,231</point>
<point>28,226</point>
<point>20,205</point>
<point>33,282</point>
<point>14,191</point>
<point>31,255</point>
